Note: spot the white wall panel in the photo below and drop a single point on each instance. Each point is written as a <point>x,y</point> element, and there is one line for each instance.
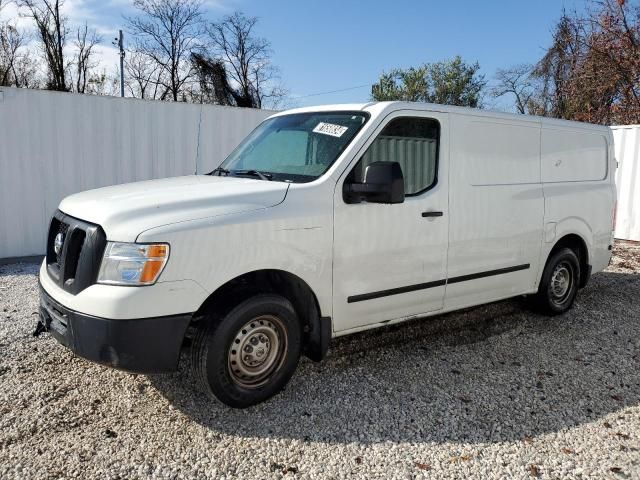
<point>627,146</point>
<point>55,144</point>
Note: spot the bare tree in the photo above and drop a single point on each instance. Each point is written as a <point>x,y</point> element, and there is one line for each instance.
<point>557,69</point>
<point>11,42</point>
<point>516,81</point>
<point>85,44</point>
<point>591,71</point>
<point>142,74</point>
<point>53,31</point>
<point>212,80</point>
<point>25,71</point>
<point>247,60</point>
<point>17,66</point>
<point>611,35</point>
<point>168,32</point>
<point>101,83</point>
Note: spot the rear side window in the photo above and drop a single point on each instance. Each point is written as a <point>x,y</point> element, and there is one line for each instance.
<point>499,153</point>
<point>413,143</point>
<point>573,156</point>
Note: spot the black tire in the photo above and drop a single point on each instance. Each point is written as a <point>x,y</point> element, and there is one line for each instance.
<point>554,297</point>
<point>271,321</point>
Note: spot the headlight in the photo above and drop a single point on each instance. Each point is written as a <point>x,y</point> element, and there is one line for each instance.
<point>133,263</point>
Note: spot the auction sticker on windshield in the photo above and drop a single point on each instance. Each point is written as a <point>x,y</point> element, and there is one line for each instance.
<point>330,129</point>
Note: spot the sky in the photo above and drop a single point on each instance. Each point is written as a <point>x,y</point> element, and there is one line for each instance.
<point>343,46</point>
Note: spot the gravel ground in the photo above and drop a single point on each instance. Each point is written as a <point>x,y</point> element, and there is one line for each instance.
<point>491,392</point>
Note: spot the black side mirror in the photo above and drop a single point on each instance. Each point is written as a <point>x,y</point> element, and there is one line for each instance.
<point>383,183</point>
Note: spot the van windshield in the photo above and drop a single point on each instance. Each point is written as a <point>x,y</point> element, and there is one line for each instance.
<point>294,148</point>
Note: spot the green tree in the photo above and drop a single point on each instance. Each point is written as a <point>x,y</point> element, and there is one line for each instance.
<point>411,85</point>
<point>450,82</point>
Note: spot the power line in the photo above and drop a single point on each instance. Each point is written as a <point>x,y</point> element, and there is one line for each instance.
<point>333,91</point>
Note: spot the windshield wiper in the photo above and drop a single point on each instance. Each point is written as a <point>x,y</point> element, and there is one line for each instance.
<point>220,171</point>
<point>254,173</point>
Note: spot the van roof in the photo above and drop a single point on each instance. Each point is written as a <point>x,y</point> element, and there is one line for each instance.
<point>383,108</point>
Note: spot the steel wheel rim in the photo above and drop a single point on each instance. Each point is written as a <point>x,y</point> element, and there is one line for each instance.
<point>257,351</point>
<point>561,282</point>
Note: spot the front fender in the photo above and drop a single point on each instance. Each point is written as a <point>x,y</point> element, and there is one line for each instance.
<point>213,253</point>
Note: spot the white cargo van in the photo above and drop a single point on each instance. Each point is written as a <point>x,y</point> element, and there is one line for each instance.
<point>327,221</point>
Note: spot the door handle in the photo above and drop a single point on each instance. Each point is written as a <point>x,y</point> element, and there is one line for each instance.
<point>432,214</point>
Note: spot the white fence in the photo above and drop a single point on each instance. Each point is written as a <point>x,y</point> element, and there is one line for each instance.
<point>627,145</point>
<point>55,144</point>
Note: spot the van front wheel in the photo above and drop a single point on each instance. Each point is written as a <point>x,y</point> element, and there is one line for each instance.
<point>249,354</point>
<point>559,283</point>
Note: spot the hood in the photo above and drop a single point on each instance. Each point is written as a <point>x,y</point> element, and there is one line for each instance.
<point>125,211</point>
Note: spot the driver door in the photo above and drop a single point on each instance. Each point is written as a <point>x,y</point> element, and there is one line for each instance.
<point>390,259</point>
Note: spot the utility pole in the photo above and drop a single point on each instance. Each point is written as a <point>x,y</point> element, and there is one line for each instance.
<point>119,42</point>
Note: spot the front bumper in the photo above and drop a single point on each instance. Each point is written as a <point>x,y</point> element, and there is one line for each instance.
<point>147,345</point>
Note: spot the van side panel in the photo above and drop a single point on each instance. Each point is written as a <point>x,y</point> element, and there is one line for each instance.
<point>496,208</point>
<point>577,171</point>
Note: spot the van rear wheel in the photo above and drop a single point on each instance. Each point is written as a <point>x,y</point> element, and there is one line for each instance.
<point>559,284</point>
<point>249,354</point>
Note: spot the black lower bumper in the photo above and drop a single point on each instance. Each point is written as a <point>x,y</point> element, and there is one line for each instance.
<point>147,345</point>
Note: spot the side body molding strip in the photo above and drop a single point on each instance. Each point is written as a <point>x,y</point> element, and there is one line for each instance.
<point>437,283</point>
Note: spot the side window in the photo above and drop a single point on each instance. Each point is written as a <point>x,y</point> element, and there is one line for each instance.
<point>413,143</point>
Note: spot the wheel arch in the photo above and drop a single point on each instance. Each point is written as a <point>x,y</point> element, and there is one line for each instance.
<point>316,330</point>
<point>576,243</point>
